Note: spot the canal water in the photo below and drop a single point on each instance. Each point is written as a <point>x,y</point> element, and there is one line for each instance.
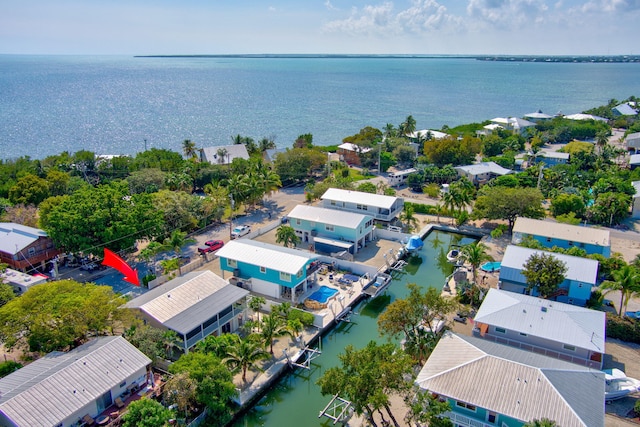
<point>295,399</point>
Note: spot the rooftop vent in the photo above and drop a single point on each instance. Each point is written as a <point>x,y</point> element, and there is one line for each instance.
<point>543,309</point>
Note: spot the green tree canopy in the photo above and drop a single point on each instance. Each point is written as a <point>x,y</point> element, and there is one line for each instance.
<point>30,189</point>
<point>146,413</point>
<point>508,204</point>
<point>107,215</point>
<point>544,273</point>
<point>451,151</point>
<point>60,315</point>
<point>286,235</point>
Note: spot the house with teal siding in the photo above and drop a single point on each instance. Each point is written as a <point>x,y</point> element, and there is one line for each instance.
<point>531,324</point>
<point>330,230</point>
<point>488,384</point>
<point>270,270</point>
<point>580,277</point>
<point>565,236</point>
<point>380,207</point>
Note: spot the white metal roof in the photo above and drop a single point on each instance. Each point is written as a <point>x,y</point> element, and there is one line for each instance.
<point>15,237</point>
<point>538,115</point>
<point>25,280</point>
<point>187,301</point>
<point>537,317</point>
<point>578,269</point>
<point>262,254</point>
<point>557,230</point>
<point>636,186</point>
<point>353,147</point>
<point>581,116</point>
<point>59,384</point>
<point>328,216</point>
<point>484,167</point>
<point>376,200</point>
<point>519,384</point>
<point>435,134</point>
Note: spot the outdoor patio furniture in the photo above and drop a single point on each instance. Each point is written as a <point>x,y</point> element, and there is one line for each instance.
<point>88,421</point>
<point>119,403</point>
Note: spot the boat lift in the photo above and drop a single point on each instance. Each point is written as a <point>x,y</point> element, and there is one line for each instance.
<point>310,353</point>
<point>338,410</point>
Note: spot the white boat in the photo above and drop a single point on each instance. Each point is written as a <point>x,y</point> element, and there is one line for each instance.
<point>618,385</point>
<point>414,244</point>
<point>453,255</point>
<point>437,325</point>
<point>378,286</point>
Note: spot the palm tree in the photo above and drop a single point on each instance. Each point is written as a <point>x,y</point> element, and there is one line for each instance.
<point>177,240</point>
<point>245,353</point>
<point>475,254</point>
<point>408,218</point>
<point>222,153</point>
<point>255,304</point>
<point>627,281</point>
<point>266,144</point>
<point>602,139</point>
<point>189,149</point>
<point>272,327</point>
<point>287,236</point>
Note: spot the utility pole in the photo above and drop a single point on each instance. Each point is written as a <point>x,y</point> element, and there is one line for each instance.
<point>145,144</point>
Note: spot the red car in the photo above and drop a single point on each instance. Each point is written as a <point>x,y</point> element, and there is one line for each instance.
<point>210,246</point>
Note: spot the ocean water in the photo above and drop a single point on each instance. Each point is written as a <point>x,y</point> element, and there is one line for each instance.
<point>122,105</point>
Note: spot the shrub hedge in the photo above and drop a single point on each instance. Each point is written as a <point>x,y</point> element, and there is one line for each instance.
<point>624,329</point>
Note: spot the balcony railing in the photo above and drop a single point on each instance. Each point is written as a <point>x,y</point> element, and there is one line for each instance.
<point>465,421</point>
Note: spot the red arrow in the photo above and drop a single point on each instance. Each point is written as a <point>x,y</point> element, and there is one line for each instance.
<point>113,260</point>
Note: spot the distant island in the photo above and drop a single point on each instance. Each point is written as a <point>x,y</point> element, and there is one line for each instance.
<point>509,58</point>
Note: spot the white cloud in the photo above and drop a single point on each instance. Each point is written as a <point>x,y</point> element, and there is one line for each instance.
<point>329,6</point>
<point>507,14</point>
<point>610,6</point>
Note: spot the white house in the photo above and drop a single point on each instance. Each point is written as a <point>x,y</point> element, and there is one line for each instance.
<point>223,154</point>
<point>538,116</point>
<point>581,116</point>
<point>194,306</point>
<point>60,388</point>
<point>396,178</point>
<point>531,324</point>
<point>427,134</point>
<point>480,173</point>
<point>380,207</point>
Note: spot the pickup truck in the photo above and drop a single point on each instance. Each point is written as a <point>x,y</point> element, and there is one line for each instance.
<point>210,246</point>
<point>241,230</point>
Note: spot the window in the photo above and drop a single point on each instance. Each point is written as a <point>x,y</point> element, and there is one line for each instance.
<point>361,207</point>
<point>501,330</point>
<point>32,251</point>
<point>210,322</point>
<point>297,221</point>
<point>192,333</point>
<point>333,203</point>
<point>286,277</point>
<point>232,263</point>
<point>491,417</point>
<point>548,239</point>
<point>465,405</point>
<point>122,384</point>
<point>569,347</point>
<point>263,270</point>
<point>225,312</point>
<point>328,227</point>
<point>523,334</point>
<point>570,243</point>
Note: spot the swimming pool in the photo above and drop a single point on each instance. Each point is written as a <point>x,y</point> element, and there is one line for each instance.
<point>323,294</point>
<point>490,267</point>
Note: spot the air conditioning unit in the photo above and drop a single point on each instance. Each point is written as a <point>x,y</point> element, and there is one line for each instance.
<point>236,272</point>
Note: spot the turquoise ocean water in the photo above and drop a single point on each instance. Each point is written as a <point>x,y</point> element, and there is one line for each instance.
<point>111,105</point>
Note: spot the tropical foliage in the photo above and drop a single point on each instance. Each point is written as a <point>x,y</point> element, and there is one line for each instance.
<point>544,273</point>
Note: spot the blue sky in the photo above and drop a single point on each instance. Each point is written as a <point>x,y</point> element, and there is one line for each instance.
<point>144,27</point>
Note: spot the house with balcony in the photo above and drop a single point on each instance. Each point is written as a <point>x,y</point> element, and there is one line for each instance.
<point>64,388</point>
<point>580,277</point>
<point>380,207</point>
<point>565,236</point>
<point>330,230</point>
<point>531,324</point>
<point>488,384</point>
<point>194,306</point>
<point>271,270</point>
<point>25,248</point>
<point>481,173</point>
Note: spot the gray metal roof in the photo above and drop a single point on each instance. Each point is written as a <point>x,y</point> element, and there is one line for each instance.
<point>186,302</point>
<point>484,167</point>
<point>52,388</point>
<point>15,237</point>
<point>233,151</point>
<point>514,382</point>
<point>328,216</point>
<point>581,327</point>
<point>278,258</point>
<point>557,230</point>
<point>376,200</point>
<point>554,155</point>
<point>578,269</point>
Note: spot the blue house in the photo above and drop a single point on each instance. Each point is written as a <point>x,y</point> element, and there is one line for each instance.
<point>270,270</point>
<point>380,207</point>
<point>580,277</point>
<point>330,230</point>
<point>531,324</point>
<point>489,384</point>
<point>550,234</point>
<point>552,158</point>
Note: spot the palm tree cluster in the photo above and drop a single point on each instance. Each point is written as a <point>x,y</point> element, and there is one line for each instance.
<point>459,196</point>
<point>251,187</point>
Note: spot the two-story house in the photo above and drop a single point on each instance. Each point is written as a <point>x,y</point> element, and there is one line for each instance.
<point>492,385</point>
<point>194,306</point>
<point>580,277</point>
<point>550,234</point>
<point>380,207</point>
<point>330,230</point>
<point>274,271</point>
<point>25,248</point>
<point>531,324</point>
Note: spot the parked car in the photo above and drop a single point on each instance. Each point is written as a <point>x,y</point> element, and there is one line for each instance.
<point>210,246</point>
<point>241,230</point>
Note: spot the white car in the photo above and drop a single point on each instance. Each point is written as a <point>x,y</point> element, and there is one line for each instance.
<point>241,230</point>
